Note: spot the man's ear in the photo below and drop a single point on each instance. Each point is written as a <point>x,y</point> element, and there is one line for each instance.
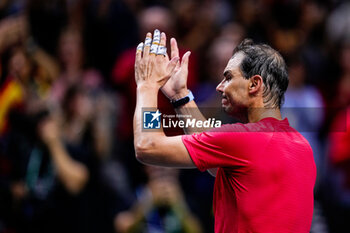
<point>255,84</point>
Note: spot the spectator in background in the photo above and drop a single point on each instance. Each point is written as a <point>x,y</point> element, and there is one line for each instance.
<point>26,75</point>
<point>70,148</point>
<point>75,72</point>
<point>35,197</point>
<point>26,71</point>
<point>160,207</point>
<point>59,184</point>
<point>82,200</point>
<point>89,108</point>
<point>71,56</point>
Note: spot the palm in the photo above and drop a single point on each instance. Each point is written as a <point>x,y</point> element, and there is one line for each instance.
<point>177,81</point>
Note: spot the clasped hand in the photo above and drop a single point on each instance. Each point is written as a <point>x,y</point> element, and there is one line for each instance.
<point>153,68</point>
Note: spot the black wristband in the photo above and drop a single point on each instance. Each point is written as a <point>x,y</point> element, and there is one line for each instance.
<point>183,101</point>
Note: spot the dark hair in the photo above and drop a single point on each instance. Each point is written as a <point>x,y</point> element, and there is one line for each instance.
<point>261,59</point>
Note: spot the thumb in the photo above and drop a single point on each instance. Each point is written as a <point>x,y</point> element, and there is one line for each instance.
<point>185,60</point>
<point>172,64</point>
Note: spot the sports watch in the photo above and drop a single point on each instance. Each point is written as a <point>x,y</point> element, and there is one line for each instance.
<point>184,100</point>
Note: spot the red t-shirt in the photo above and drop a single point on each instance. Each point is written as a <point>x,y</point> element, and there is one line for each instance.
<point>265,179</point>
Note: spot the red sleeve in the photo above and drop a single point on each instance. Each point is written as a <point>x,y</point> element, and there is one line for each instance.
<point>230,146</point>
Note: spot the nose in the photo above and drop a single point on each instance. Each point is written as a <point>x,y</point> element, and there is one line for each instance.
<point>220,87</point>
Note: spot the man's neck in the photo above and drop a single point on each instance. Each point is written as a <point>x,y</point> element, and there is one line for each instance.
<point>257,114</point>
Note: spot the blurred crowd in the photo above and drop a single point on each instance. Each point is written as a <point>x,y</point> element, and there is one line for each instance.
<point>67,96</point>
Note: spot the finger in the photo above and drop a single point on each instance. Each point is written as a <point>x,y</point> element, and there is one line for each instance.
<point>155,42</point>
<point>162,39</point>
<point>147,44</point>
<point>162,50</point>
<point>185,60</point>
<point>138,53</point>
<point>174,48</point>
<point>172,64</point>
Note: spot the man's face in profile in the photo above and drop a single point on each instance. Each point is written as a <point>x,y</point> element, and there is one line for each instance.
<point>234,87</point>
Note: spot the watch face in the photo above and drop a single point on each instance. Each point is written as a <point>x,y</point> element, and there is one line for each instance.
<point>182,101</point>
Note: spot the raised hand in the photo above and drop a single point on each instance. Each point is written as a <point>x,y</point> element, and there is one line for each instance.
<point>49,131</point>
<point>152,64</point>
<point>176,87</point>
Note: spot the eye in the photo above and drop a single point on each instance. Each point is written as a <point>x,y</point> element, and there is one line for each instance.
<point>228,77</point>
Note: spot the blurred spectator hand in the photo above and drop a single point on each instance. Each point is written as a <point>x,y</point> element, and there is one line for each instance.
<point>49,131</point>
<point>176,86</point>
<point>166,193</point>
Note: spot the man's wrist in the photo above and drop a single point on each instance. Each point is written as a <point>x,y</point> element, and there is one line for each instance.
<point>181,94</point>
<point>147,87</point>
<point>182,101</point>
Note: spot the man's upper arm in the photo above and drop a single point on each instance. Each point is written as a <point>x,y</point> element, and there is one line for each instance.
<point>166,151</point>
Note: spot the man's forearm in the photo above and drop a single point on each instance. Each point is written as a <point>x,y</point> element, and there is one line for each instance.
<point>146,98</point>
<point>190,111</point>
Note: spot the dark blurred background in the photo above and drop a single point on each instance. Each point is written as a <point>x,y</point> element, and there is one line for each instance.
<point>67,96</point>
